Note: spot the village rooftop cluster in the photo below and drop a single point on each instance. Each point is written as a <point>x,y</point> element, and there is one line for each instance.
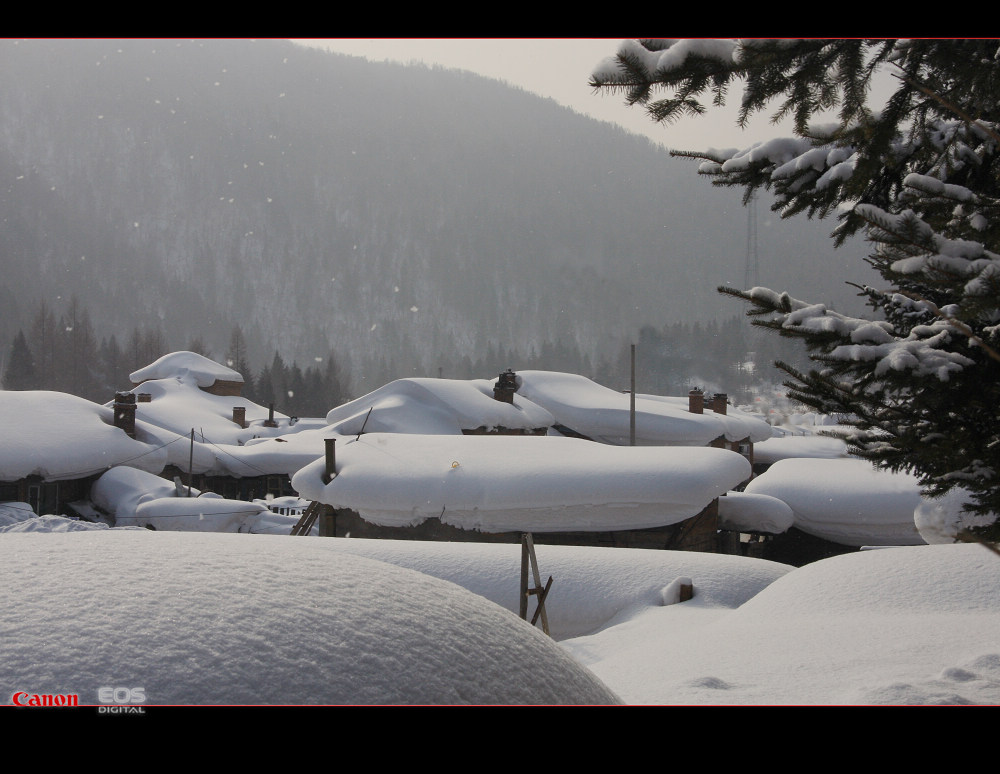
<point>468,467</point>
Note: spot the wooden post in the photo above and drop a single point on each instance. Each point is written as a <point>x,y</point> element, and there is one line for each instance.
<point>191,462</point>
<point>328,522</point>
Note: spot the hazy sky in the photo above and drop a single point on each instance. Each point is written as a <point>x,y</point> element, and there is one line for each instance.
<point>560,69</point>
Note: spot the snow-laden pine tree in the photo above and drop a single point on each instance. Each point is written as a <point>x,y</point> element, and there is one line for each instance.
<point>920,177</point>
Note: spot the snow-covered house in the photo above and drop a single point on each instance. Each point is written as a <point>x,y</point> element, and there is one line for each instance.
<point>547,402</point>
<point>193,397</point>
<point>53,446</point>
<point>132,497</point>
<point>184,418</point>
<point>441,407</point>
<point>584,409</point>
<point>420,419</point>
<point>839,505</point>
<point>212,377</point>
<point>565,490</point>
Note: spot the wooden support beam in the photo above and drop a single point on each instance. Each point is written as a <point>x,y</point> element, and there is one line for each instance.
<point>305,523</point>
<point>528,559</point>
<point>523,610</point>
<point>542,593</point>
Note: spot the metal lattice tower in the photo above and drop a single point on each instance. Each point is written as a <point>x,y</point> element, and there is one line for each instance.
<point>751,274</point>
<point>751,279</point>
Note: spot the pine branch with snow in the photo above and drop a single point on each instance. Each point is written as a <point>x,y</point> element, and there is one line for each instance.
<point>920,178</point>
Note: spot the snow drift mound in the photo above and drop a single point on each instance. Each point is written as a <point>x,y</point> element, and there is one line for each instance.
<point>912,580</point>
<point>234,619</point>
<point>591,585</point>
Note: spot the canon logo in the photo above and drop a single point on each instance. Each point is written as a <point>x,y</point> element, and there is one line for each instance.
<point>25,699</point>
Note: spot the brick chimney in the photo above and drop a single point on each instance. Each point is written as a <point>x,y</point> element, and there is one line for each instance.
<point>125,412</point>
<point>696,401</point>
<point>719,402</point>
<point>505,387</point>
<point>240,415</point>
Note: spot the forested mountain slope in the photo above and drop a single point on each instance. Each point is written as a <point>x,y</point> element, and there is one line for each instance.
<point>406,216</point>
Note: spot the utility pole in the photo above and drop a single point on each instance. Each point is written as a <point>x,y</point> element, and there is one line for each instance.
<point>631,404</point>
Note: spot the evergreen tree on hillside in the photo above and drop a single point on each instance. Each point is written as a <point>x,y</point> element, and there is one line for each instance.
<point>145,346</point>
<point>336,387</point>
<point>264,387</point>
<point>197,345</point>
<point>19,373</point>
<point>79,367</point>
<point>113,365</point>
<point>236,358</point>
<point>921,179</point>
<point>43,341</point>
<point>279,383</point>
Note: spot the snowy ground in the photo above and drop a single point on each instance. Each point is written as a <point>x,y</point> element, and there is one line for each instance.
<point>206,616</point>
<point>257,619</point>
<point>912,625</point>
<point>228,618</point>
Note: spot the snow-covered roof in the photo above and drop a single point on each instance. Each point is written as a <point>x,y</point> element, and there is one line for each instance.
<point>602,414</point>
<point>178,405</point>
<point>512,483</point>
<point>797,446</point>
<point>435,406</point>
<point>747,512</point>
<point>59,437</point>
<point>205,372</point>
<point>240,619</point>
<point>138,499</point>
<point>285,454</point>
<point>846,501</point>
<point>120,491</point>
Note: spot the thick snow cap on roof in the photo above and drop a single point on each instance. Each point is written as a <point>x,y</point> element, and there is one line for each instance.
<point>602,414</point>
<point>285,454</point>
<point>140,499</point>
<point>205,372</point>
<point>259,619</point>
<point>846,501</point>
<point>177,404</point>
<point>521,483</point>
<point>435,407</point>
<point>743,512</point>
<point>798,446</point>
<point>121,490</point>
<point>59,436</point>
